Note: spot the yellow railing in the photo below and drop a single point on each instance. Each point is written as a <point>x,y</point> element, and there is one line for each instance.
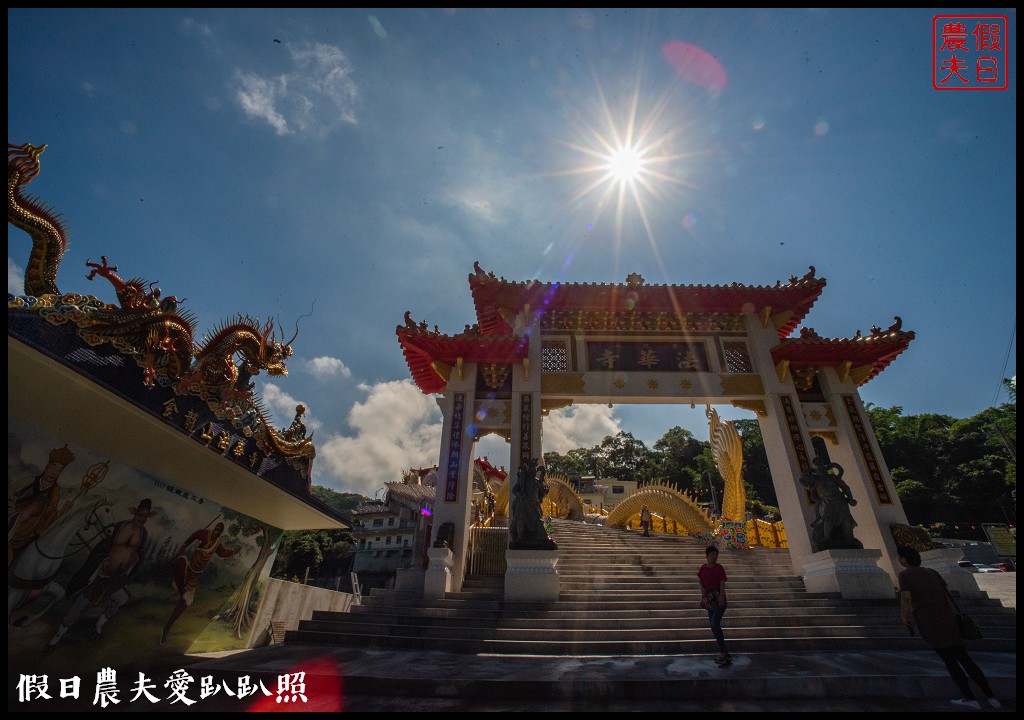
<point>759,532</point>
<point>766,534</point>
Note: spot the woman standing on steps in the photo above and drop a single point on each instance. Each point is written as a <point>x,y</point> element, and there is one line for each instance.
<point>713,599</point>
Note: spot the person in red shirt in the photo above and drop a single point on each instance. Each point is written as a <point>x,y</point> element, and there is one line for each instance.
<point>714,599</point>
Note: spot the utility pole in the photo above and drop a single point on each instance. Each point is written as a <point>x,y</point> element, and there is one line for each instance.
<point>714,502</point>
<point>1002,436</point>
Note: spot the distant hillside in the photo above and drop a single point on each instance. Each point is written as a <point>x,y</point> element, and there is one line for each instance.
<point>342,502</point>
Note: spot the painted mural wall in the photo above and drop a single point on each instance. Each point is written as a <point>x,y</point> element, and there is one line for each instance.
<point>109,566</point>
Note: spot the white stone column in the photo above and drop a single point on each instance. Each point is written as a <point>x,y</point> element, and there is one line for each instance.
<point>786,447</point>
<point>864,470</point>
<point>786,442</point>
<point>852,573</point>
<point>453,497</point>
<point>531,574</point>
<point>526,403</point>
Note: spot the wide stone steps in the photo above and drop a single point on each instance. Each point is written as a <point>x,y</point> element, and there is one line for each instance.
<point>622,600</point>
<point>624,594</point>
<point>560,622</point>
<point>852,639</point>
<point>613,614</point>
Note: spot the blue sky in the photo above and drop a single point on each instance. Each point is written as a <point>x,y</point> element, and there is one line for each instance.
<point>357,162</point>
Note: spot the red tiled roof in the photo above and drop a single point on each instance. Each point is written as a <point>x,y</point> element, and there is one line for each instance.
<point>422,349</point>
<point>876,350</point>
<point>498,301</point>
<point>492,295</point>
<point>489,471</point>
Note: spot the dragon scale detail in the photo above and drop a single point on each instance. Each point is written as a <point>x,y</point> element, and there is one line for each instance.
<point>44,226</point>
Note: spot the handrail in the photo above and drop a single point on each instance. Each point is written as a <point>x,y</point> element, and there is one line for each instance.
<point>487,546</point>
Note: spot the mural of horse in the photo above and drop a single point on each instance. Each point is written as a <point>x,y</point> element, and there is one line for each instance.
<point>33,574</point>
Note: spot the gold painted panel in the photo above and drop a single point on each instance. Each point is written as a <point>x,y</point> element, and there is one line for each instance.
<point>756,406</point>
<point>741,384</point>
<point>561,383</point>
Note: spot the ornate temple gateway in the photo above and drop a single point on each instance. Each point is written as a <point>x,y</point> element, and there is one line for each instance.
<point>538,346</point>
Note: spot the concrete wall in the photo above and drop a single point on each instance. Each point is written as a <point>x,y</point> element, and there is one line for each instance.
<point>289,603</point>
<point>999,586</point>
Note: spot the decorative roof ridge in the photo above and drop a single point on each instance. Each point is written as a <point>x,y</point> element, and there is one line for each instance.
<point>473,335</point>
<point>894,332</point>
<point>479,337</point>
<point>635,280</point>
<point>421,328</point>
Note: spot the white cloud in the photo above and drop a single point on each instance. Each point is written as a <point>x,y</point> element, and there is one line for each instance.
<point>15,278</point>
<point>313,97</point>
<point>578,426</point>
<point>397,427</point>
<point>325,367</point>
<point>190,25</point>
<point>328,75</point>
<point>282,406</point>
<point>475,203</point>
<point>378,28</point>
<point>257,98</point>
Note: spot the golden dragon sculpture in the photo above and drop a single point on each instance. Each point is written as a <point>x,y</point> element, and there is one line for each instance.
<point>45,227</point>
<point>146,325</point>
<point>727,449</point>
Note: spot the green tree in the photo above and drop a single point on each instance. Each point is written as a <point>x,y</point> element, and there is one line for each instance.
<point>342,502</point>
<point>757,475</point>
<point>571,465</point>
<point>321,552</point>
<point>675,453</point>
<point>916,497</point>
<point>959,472</point>
<point>324,552</point>
<point>624,457</point>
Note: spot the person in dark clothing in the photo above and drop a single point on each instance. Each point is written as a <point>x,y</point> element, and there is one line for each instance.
<point>925,604</point>
<point>713,598</point>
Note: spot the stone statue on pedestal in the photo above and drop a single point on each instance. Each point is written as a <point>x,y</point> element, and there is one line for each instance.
<point>833,524</point>
<point>526,526</point>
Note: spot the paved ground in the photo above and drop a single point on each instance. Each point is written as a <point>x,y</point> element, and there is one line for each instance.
<point>385,680</point>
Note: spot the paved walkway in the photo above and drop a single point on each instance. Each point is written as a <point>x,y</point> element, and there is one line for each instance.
<point>346,679</point>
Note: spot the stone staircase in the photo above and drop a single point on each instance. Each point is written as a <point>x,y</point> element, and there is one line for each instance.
<point>622,594</point>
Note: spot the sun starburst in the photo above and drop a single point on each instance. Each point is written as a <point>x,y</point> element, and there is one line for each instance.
<point>629,159</point>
